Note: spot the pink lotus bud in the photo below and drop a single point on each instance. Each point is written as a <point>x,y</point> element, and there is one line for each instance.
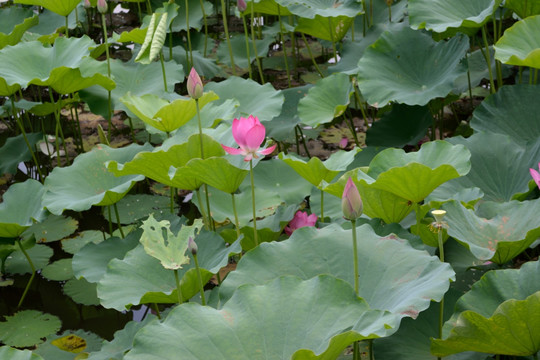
<point>241,5</point>
<point>351,202</point>
<point>87,4</point>
<point>535,175</point>
<point>102,6</point>
<point>343,143</point>
<point>192,246</point>
<point>249,134</point>
<point>300,219</point>
<point>194,84</point>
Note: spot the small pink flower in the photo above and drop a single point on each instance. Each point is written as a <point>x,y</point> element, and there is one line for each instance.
<point>343,143</point>
<point>102,6</point>
<point>536,175</point>
<point>249,134</point>
<point>241,5</point>
<point>194,84</point>
<point>351,202</point>
<point>300,219</point>
<point>87,4</point>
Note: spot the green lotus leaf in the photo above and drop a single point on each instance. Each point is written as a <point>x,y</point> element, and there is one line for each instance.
<point>27,328</point>
<point>16,354</point>
<point>393,275</point>
<point>269,7</point>
<point>59,270</point>
<point>17,263</point>
<point>195,15</point>
<point>137,79</point>
<point>135,207</point>
<point>413,176</point>
<point>63,8</point>
<point>67,67</point>
<point>282,127</point>
<point>500,171</point>
<point>162,114</point>
<point>15,151</point>
<point>62,346</point>
<point>512,110</point>
<point>14,22</point>
<point>139,278</point>
<point>21,206</point>
<point>325,8</point>
<point>523,8</point>
<point>326,28</point>
<point>316,171</point>
<point>166,166</point>
<point>216,172</point>
<point>324,307</point>
<point>518,45</point>
<point>496,231</point>
<point>393,59</point>
<point>53,228</point>
<point>326,100</point>
<point>440,15</point>
<point>81,291</point>
<point>258,100</point>
<point>89,181</point>
<point>238,44</point>
<point>404,125</point>
<point>160,242</point>
<point>500,314</point>
<point>75,243</point>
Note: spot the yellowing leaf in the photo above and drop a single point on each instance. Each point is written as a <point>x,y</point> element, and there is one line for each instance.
<point>71,343</point>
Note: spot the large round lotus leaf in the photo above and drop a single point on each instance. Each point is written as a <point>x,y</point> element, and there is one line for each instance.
<point>285,319</point>
<point>14,151</point>
<point>519,45</point>
<point>139,278</point>
<point>325,8</point>
<point>512,110</point>
<point>404,125</point>
<point>316,171</point>
<point>17,263</point>
<point>269,7</point>
<point>499,171</point>
<point>14,22</point>
<point>523,8</point>
<point>195,15</point>
<point>262,101</point>
<point>15,354</point>
<point>415,80</point>
<point>500,314</point>
<point>393,275</point>
<point>67,67</point>
<point>62,8</point>
<point>440,15</point>
<point>238,45</point>
<point>326,100</point>
<point>21,206</point>
<point>413,176</point>
<point>53,228</point>
<point>325,28</point>
<point>162,114</point>
<point>87,182</point>
<point>216,172</point>
<point>135,78</point>
<point>28,328</point>
<point>281,128</point>
<point>496,231</point>
<point>59,270</point>
<point>166,166</point>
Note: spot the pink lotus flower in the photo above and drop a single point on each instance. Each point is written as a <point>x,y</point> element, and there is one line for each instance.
<point>194,84</point>
<point>87,4</point>
<point>241,5</point>
<point>249,134</point>
<point>300,219</point>
<point>536,175</point>
<point>351,202</point>
<point>102,6</point>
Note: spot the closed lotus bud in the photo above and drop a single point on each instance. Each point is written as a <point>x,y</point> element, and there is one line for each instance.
<point>351,202</point>
<point>194,85</point>
<point>87,4</point>
<point>241,5</point>
<point>192,246</point>
<point>102,6</point>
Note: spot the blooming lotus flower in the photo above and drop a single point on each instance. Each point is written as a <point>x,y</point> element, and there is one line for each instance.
<point>536,175</point>
<point>249,134</point>
<point>241,4</point>
<point>351,202</point>
<point>194,84</point>
<point>102,6</point>
<point>300,219</point>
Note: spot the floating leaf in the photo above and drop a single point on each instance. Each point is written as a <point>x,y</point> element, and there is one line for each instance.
<point>70,343</point>
<point>15,354</point>
<point>73,244</point>
<point>53,228</point>
<point>17,263</point>
<point>135,207</point>
<point>27,328</point>
<point>324,307</point>
<point>14,22</point>
<point>393,59</point>
<point>50,351</point>
<point>59,270</point>
<point>81,291</point>
<point>518,45</point>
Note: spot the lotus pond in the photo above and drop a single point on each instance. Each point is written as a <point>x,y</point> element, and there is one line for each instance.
<point>269,179</point>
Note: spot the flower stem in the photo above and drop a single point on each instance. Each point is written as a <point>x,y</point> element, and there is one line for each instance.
<point>202,210</point>
<point>247,46</point>
<point>178,289</point>
<point>236,223</point>
<point>355,256</point>
<point>259,66</point>
<point>284,47</point>
<point>205,27</point>
<point>31,277</point>
<point>225,25</point>
<point>190,63</point>
<point>109,109</point>
<point>311,55</point>
<point>163,70</point>
<point>200,127</point>
<point>487,57</point>
<point>322,206</point>
<point>441,256</point>
<point>118,221</point>
<point>110,219</point>
<point>255,237</point>
<point>201,285</point>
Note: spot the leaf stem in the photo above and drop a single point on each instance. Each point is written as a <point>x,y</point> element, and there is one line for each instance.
<point>205,27</point>
<point>31,277</point>
<point>178,289</point>
<point>236,223</point>
<point>109,109</point>
<point>110,219</point>
<point>255,236</point>
<point>311,55</point>
<point>247,45</point>
<point>118,221</point>
<point>284,47</point>
<point>163,70</point>
<point>202,210</point>
<point>201,285</point>
<point>190,63</point>
<point>487,57</point>
<point>226,26</point>
<point>322,205</point>
<point>259,66</point>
